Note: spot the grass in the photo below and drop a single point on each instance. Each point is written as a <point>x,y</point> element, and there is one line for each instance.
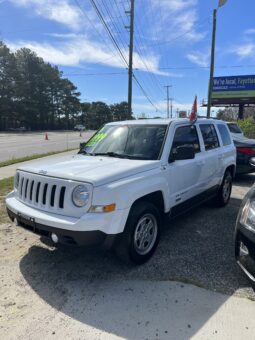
<point>29,158</point>
<point>6,185</point>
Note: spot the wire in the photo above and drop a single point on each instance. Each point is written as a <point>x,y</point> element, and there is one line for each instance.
<point>99,14</point>
<point>109,31</point>
<point>95,74</point>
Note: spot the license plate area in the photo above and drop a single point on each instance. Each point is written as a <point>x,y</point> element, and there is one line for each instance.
<point>27,220</point>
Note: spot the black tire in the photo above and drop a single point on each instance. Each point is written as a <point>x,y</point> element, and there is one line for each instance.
<point>127,247</point>
<point>224,192</point>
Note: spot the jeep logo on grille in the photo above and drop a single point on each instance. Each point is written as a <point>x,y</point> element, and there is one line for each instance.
<point>42,172</point>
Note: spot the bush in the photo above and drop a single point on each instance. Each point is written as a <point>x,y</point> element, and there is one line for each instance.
<point>248,127</point>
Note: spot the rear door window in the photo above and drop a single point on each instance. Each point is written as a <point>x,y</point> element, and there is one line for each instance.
<point>224,133</point>
<point>209,136</point>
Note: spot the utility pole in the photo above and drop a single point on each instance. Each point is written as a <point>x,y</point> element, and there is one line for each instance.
<point>168,106</point>
<point>131,47</point>
<point>209,104</point>
<point>171,107</point>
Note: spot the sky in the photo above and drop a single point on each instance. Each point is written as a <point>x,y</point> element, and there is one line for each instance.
<point>172,41</point>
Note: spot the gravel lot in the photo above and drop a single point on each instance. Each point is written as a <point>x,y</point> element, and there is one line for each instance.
<point>196,248</point>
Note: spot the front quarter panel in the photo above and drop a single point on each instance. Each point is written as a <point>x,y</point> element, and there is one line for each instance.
<point>126,191</point>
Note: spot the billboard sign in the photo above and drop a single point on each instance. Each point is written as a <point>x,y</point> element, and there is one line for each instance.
<point>234,87</point>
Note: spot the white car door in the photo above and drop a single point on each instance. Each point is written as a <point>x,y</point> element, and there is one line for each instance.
<point>212,156</point>
<point>184,176</point>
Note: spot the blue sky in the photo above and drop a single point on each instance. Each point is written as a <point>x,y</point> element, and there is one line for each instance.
<point>172,45</point>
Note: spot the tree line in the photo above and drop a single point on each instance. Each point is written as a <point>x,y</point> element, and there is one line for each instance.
<point>35,95</point>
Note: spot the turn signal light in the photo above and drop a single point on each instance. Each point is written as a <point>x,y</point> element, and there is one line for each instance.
<point>103,208</point>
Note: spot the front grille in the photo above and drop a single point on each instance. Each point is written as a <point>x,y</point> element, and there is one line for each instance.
<point>48,194</point>
<point>41,193</point>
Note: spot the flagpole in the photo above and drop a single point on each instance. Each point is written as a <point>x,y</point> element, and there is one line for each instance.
<point>209,104</point>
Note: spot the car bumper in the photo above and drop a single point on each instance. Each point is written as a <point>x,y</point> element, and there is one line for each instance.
<point>68,237</point>
<point>245,251</point>
<point>245,164</point>
<point>90,229</point>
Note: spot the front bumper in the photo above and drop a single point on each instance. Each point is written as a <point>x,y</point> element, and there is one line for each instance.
<point>245,260</point>
<point>68,237</point>
<point>89,229</point>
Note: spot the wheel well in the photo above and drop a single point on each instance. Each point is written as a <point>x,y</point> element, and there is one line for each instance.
<point>232,170</point>
<point>155,198</point>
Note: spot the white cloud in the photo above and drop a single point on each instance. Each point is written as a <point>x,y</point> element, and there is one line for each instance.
<point>60,11</point>
<point>244,51</point>
<point>199,58</point>
<point>178,19</point>
<point>250,31</point>
<point>79,51</point>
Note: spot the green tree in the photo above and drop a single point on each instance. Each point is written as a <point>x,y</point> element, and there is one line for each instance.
<point>8,71</point>
<point>120,111</point>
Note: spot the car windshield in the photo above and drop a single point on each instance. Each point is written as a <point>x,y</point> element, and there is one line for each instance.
<point>234,128</point>
<point>127,141</point>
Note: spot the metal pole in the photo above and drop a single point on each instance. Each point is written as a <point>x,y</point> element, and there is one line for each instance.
<point>131,47</point>
<point>209,104</point>
<point>168,106</point>
<point>171,108</point>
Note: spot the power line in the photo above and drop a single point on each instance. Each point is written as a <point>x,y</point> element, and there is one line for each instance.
<point>99,14</point>
<point>108,30</point>
<point>95,74</point>
<point>145,94</point>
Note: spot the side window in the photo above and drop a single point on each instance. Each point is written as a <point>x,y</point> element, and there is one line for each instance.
<point>209,136</point>
<point>186,135</point>
<point>224,133</point>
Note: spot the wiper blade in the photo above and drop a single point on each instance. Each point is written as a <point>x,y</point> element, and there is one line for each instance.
<point>84,152</point>
<point>109,154</point>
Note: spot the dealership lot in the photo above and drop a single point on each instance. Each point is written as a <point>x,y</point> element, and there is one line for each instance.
<point>70,291</point>
<point>16,145</point>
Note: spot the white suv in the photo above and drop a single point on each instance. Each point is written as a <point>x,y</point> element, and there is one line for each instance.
<point>124,179</point>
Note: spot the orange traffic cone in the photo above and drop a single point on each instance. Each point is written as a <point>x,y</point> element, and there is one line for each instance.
<point>46,136</point>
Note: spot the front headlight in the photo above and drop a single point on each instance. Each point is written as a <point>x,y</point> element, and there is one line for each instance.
<point>248,215</point>
<point>80,195</point>
<point>16,180</point>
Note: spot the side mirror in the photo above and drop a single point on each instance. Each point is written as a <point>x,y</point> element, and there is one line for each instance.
<point>183,152</point>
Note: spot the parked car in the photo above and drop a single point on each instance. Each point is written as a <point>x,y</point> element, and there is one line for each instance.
<point>245,147</point>
<point>79,127</point>
<point>245,236</point>
<point>123,181</point>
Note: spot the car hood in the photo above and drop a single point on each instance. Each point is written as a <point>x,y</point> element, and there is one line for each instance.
<point>243,141</point>
<point>96,170</point>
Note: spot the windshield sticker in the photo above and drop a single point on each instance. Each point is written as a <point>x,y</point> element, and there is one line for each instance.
<point>97,138</point>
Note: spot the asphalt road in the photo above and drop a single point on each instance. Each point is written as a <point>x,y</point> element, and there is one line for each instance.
<point>25,144</point>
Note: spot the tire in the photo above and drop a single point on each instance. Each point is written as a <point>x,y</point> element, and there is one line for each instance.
<point>224,192</point>
<point>141,235</point>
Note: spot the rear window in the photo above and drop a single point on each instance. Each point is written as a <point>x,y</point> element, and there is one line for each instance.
<point>226,139</point>
<point>234,128</point>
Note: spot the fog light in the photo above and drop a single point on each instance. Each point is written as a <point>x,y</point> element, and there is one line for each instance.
<point>54,238</point>
<point>243,250</point>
